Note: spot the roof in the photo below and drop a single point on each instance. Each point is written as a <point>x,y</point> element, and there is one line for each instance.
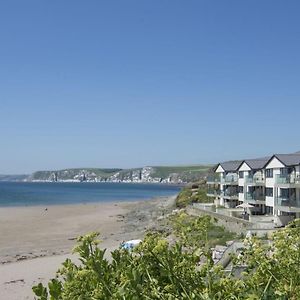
<point>232,165</point>
<point>260,163</point>
<point>257,163</point>
<point>287,159</point>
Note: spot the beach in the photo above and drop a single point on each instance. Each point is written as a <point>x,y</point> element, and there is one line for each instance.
<point>35,240</point>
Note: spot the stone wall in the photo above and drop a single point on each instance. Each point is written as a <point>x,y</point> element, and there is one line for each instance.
<point>232,224</point>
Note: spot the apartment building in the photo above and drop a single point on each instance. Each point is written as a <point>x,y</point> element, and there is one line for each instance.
<point>282,173</point>
<point>224,185</point>
<point>270,184</point>
<point>251,179</point>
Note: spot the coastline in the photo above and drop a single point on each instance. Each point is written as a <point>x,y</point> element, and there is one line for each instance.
<point>34,241</point>
<point>25,194</point>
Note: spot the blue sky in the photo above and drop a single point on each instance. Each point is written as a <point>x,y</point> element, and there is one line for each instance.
<point>133,83</point>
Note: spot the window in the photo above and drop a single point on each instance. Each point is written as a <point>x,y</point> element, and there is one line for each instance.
<point>284,193</point>
<point>285,171</point>
<point>269,173</point>
<point>269,210</point>
<point>241,174</point>
<point>241,189</point>
<point>269,192</point>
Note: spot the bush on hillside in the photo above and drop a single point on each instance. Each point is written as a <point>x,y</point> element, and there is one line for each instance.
<point>157,270</point>
<point>188,195</point>
<point>184,197</point>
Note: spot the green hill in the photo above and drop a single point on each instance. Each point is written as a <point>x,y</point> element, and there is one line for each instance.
<point>165,174</point>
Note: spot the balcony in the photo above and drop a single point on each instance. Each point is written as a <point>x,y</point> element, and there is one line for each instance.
<point>213,180</point>
<point>291,179</point>
<point>230,194</point>
<point>255,198</point>
<point>255,180</point>
<point>230,180</point>
<point>289,204</point>
<point>213,193</point>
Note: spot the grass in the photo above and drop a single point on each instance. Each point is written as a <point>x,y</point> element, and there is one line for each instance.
<point>188,195</point>
<point>185,173</point>
<point>165,171</point>
<point>70,173</point>
<point>200,230</point>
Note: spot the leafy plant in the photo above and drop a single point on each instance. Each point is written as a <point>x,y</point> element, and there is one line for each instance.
<point>195,193</point>
<point>183,269</point>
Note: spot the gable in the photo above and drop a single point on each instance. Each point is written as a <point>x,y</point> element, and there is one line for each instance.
<point>244,167</point>
<point>219,169</point>
<point>274,163</point>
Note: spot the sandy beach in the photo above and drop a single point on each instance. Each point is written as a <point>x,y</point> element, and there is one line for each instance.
<point>34,241</point>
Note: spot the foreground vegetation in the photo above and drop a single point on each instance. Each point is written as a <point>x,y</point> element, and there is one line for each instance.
<point>198,232</point>
<point>182,269</point>
<point>192,193</point>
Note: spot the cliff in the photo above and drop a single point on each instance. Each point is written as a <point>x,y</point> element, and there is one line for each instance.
<point>155,174</point>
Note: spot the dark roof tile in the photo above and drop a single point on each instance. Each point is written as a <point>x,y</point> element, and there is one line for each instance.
<point>231,165</point>
<point>289,159</point>
<point>257,163</point>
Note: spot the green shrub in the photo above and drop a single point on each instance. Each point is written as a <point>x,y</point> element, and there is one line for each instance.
<point>184,197</point>
<point>157,270</point>
<point>187,196</point>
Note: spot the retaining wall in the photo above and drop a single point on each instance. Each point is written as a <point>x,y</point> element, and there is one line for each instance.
<point>232,224</point>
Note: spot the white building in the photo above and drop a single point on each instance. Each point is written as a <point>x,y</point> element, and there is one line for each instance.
<point>270,184</point>
<point>224,186</point>
<point>283,184</point>
<point>252,184</point>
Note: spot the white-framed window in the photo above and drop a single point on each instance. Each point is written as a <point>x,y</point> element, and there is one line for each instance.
<point>269,173</point>
<point>269,192</point>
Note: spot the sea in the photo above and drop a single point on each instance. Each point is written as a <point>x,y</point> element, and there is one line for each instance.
<point>55,193</point>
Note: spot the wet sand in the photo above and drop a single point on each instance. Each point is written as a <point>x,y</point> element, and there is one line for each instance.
<point>34,241</point>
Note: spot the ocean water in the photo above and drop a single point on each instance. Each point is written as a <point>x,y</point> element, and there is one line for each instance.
<point>47,193</point>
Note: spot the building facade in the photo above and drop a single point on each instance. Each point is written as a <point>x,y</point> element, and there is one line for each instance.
<point>270,184</point>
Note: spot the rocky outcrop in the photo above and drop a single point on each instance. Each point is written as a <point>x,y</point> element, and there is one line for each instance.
<point>176,175</point>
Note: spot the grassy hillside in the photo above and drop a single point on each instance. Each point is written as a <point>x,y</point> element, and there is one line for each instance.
<point>193,193</point>
<point>164,171</point>
<point>70,173</point>
<point>175,174</point>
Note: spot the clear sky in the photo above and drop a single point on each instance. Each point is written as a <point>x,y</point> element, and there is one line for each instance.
<point>133,83</point>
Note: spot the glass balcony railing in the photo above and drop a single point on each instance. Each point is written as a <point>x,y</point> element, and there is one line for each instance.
<point>288,201</point>
<point>229,194</point>
<point>213,179</point>
<point>254,180</point>
<point>231,179</point>
<point>254,196</point>
<point>284,179</point>
<point>249,196</point>
<point>213,193</point>
<point>287,179</point>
